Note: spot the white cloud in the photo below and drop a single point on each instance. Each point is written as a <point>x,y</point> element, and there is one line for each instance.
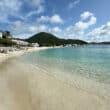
<point>86,15</point>
<point>53,19</point>
<point>79,28</point>
<point>56,30</point>
<point>14,7</point>
<point>20,28</point>
<point>43,19</point>
<point>37,5</point>
<point>56,19</point>
<point>81,25</point>
<point>25,30</point>
<point>101,33</point>
<point>35,12</point>
<point>73,4</point>
<point>77,31</point>
<point>39,28</point>
<point>31,14</point>
<point>9,8</point>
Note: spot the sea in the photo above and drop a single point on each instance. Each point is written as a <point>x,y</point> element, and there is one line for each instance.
<point>85,67</point>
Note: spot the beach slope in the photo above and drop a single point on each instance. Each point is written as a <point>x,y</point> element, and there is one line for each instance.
<point>22,87</point>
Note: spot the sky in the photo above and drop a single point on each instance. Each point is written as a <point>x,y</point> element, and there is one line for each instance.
<point>87,20</point>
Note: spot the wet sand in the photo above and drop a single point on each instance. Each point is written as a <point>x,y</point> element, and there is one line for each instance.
<point>22,87</point>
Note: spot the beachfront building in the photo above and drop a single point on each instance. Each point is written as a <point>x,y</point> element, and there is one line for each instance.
<point>20,42</point>
<point>35,45</point>
<point>0,34</point>
<point>5,34</point>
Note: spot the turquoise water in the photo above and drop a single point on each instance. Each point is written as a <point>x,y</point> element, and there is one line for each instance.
<point>92,62</point>
<point>84,67</point>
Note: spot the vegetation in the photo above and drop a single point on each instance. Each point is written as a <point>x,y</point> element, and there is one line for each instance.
<point>104,43</point>
<point>47,39</point>
<point>6,42</point>
<point>6,34</point>
<point>100,43</point>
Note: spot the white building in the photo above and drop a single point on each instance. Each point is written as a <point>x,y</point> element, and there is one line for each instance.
<point>35,44</point>
<point>5,34</point>
<point>20,42</point>
<point>1,34</point>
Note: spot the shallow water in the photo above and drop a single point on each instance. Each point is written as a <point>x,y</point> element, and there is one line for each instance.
<point>26,87</point>
<point>86,67</point>
<point>92,62</point>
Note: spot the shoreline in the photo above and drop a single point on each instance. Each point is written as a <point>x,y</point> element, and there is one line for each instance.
<point>24,87</point>
<point>5,56</point>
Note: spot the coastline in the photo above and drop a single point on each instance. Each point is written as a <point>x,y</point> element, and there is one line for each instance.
<point>24,86</point>
<point>6,56</point>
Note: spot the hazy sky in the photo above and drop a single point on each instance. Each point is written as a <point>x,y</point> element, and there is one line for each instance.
<point>79,19</point>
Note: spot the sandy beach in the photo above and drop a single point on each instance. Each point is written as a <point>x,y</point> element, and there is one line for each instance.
<point>22,87</point>
<point>4,56</point>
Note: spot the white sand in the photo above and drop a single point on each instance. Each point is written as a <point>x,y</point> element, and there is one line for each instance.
<point>20,52</point>
<point>24,88</point>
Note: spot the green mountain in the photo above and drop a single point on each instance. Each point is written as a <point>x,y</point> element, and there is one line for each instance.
<point>47,39</point>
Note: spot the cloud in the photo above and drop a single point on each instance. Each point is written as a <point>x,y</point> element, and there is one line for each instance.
<point>73,4</point>
<point>86,15</point>
<point>87,19</point>
<point>56,19</point>
<point>14,9</point>
<point>77,31</point>
<point>43,19</point>
<point>53,19</point>
<point>31,13</point>
<point>8,8</point>
<point>20,28</point>
<point>55,30</point>
<point>39,28</point>
<point>101,33</point>
<point>35,12</point>
<point>38,5</point>
<point>81,25</point>
<point>79,28</point>
<point>14,4</point>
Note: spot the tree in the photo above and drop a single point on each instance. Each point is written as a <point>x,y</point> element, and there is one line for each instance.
<point>6,34</point>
